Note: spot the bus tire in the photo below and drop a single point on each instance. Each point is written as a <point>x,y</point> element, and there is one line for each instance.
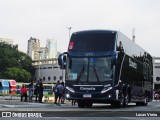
<point>89,105</point>
<point>81,104</point>
<point>138,104</point>
<point>113,104</point>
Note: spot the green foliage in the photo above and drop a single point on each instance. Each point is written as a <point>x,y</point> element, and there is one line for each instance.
<point>15,64</point>
<point>17,74</point>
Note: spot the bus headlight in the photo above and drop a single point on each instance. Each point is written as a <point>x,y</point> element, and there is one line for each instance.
<point>106,89</point>
<point>70,89</point>
<point>67,95</point>
<point>110,95</point>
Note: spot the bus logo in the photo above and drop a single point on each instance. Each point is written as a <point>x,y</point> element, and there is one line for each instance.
<point>132,64</point>
<point>87,88</point>
<point>6,114</point>
<point>89,54</point>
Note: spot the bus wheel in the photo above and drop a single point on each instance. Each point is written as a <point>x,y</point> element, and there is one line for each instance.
<point>138,103</point>
<point>81,104</point>
<point>88,105</point>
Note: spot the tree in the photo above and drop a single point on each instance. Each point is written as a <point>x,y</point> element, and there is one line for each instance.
<point>15,64</point>
<point>20,75</point>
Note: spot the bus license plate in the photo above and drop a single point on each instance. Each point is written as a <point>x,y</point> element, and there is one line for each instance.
<point>87,95</point>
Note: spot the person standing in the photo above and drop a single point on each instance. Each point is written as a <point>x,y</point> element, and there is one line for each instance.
<point>59,92</point>
<point>63,93</point>
<point>40,91</point>
<point>36,91</point>
<point>31,87</point>
<point>23,93</point>
<point>56,92</point>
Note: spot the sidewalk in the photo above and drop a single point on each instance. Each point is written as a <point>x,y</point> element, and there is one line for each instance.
<point>17,98</point>
<point>17,104</point>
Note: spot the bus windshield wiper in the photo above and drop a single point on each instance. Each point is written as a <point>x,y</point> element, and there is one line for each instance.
<point>80,74</point>
<point>95,71</point>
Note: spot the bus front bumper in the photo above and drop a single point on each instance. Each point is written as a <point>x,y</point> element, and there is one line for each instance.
<point>94,97</point>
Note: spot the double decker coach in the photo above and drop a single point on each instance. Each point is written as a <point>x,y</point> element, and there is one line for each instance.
<point>104,66</point>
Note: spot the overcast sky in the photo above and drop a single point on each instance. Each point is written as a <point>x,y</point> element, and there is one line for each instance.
<point>49,19</point>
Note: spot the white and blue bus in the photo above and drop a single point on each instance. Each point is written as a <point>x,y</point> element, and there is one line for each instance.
<point>4,86</point>
<point>103,66</point>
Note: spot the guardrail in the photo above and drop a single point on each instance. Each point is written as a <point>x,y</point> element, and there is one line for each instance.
<point>9,97</point>
<point>15,98</point>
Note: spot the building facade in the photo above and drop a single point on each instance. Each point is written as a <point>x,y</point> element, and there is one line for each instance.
<point>33,48</point>
<point>45,61</point>
<point>48,70</point>
<point>7,40</point>
<point>52,48</point>
<point>43,52</point>
<point>156,73</point>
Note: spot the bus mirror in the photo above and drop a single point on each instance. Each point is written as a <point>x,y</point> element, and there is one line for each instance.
<point>62,58</point>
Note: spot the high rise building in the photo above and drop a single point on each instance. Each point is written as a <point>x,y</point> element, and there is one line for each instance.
<point>44,52</point>
<point>7,40</point>
<point>34,48</point>
<point>52,48</point>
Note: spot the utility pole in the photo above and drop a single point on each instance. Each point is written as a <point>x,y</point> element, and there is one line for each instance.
<point>69,28</point>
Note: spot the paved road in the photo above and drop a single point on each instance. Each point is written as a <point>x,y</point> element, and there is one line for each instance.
<point>69,112</point>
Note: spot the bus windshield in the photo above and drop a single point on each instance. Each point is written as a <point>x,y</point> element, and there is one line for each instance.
<point>92,42</point>
<point>82,70</point>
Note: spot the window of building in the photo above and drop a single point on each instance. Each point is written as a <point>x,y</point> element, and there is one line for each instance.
<point>54,78</point>
<point>60,77</point>
<point>55,67</point>
<point>158,78</point>
<point>157,66</point>
<point>49,67</point>
<point>49,78</point>
<point>43,78</point>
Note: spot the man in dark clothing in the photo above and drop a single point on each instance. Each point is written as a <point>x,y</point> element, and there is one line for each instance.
<point>31,88</point>
<point>59,89</point>
<point>40,91</point>
<point>56,91</point>
<point>36,90</point>
<point>63,94</point>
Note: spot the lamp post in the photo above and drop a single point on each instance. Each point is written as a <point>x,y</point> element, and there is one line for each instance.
<point>39,64</point>
<point>69,28</point>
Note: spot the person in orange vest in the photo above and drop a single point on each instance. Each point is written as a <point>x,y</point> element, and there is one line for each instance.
<point>23,93</point>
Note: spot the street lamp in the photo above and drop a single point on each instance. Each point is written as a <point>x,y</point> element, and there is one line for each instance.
<point>39,64</point>
<point>69,28</point>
